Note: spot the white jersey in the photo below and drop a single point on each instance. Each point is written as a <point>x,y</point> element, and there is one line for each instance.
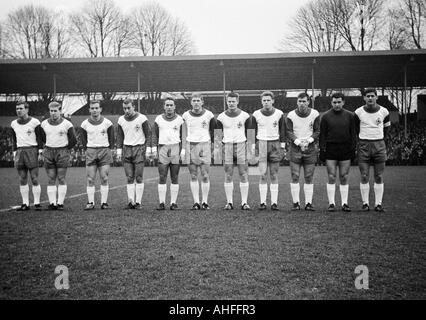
<point>169,131</point>
<point>233,127</point>
<point>97,133</point>
<point>303,127</point>
<point>198,126</point>
<point>133,131</point>
<point>371,124</point>
<point>57,134</point>
<point>268,127</point>
<point>25,133</point>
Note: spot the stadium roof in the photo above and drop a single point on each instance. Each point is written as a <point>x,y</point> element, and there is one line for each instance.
<point>275,71</point>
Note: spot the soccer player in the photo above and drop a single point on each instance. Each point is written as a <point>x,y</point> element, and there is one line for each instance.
<point>234,122</point>
<point>372,123</point>
<point>98,140</point>
<point>337,148</point>
<point>269,125</point>
<point>200,124</point>
<point>59,137</point>
<point>27,144</point>
<point>133,144</point>
<point>303,126</point>
<point>168,131</point>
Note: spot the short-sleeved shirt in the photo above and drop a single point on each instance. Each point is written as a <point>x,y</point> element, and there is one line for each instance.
<point>303,127</point>
<point>371,124</point>
<point>233,127</point>
<point>198,126</point>
<point>56,134</point>
<point>97,133</point>
<point>169,130</point>
<point>268,127</point>
<point>132,129</point>
<point>25,133</point>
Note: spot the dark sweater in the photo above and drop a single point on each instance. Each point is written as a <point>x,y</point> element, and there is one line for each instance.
<point>337,127</point>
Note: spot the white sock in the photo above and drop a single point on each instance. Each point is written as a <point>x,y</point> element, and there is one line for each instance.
<point>308,189</point>
<point>139,192</point>
<point>174,190</point>
<point>104,193</point>
<point>244,188</point>
<point>205,188</point>
<point>344,191</point>
<point>263,190</point>
<point>90,194</point>
<point>229,190</point>
<point>295,192</point>
<point>25,193</point>
<point>274,193</point>
<point>131,192</point>
<point>162,190</point>
<point>378,192</point>
<point>331,192</point>
<point>62,191</point>
<point>195,189</point>
<point>51,194</point>
<point>36,194</point>
<point>365,191</point>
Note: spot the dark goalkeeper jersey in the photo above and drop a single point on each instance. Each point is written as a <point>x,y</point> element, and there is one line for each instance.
<point>337,127</point>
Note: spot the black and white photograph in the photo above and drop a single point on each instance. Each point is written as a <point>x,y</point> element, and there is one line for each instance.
<point>216,155</point>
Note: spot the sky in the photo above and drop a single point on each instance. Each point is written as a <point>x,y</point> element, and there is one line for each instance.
<point>217,26</point>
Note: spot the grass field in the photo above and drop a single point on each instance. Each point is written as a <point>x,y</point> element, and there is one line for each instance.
<point>216,254</point>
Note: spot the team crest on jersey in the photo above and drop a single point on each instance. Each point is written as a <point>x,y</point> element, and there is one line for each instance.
<point>175,128</point>
<point>378,121</point>
<point>204,124</point>
<point>62,133</point>
<point>239,125</point>
<point>29,131</point>
<point>103,132</point>
<point>311,125</point>
<point>137,128</point>
<point>275,124</point>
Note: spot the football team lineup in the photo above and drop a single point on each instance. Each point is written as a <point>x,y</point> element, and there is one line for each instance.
<point>238,139</point>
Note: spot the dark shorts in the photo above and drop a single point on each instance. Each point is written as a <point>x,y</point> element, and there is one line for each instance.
<point>235,153</point>
<point>134,154</point>
<point>270,151</point>
<point>169,153</point>
<point>98,157</point>
<point>56,157</point>
<point>339,151</point>
<point>309,156</point>
<point>26,158</point>
<point>200,153</point>
<point>372,151</point>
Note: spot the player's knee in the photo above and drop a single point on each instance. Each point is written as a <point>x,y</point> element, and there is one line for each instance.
<point>343,179</point>
<point>364,178</point>
<point>130,179</point>
<point>228,178</point>
<point>139,179</point>
<point>61,180</point>
<point>162,179</point>
<point>378,178</point>
<point>90,181</point>
<point>174,179</point>
<point>294,178</point>
<point>205,178</point>
<point>104,180</point>
<point>263,179</point>
<point>274,178</point>
<point>244,178</point>
<point>309,179</point>
<point>332,178</point>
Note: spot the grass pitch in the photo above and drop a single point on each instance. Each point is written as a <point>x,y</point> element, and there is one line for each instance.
<point>216,254</point>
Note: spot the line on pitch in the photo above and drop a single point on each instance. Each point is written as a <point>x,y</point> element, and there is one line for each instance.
<point>77,195</point>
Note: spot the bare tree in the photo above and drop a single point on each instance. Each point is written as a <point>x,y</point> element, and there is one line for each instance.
<point>415,16</point>
<point>95,27</point>
<point>312,30</point>
<point>157,33</point>
<point>34,32</point>
<point>397,33</point>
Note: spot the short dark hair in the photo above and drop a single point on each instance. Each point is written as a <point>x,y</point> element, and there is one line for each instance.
<point>233,95</point>
<point>95,102</point>
<point>26,104</point>
<point>55,104</point>
<point>128,101</point>
<point>338,95</point>
<point>369,90</point>
<point>168,98</point>
<point>267,94</point>
<point>303,95</point>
